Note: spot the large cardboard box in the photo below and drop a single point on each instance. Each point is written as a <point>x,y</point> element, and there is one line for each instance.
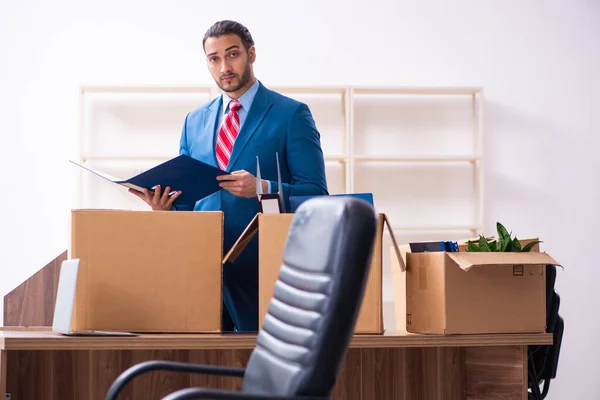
<point>470,293</point>
<point>272,235</point>
<point>147,271</point>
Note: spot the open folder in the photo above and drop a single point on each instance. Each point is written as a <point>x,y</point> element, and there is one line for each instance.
<point>194,178</point>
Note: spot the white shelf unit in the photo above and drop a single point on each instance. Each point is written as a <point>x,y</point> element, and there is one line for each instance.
<point>417,149</point>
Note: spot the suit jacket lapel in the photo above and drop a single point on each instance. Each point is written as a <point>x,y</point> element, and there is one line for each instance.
<point>209,141</point>
<point>259,108</point>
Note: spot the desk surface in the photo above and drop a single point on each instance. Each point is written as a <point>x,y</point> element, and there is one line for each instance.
<point>23,339</point>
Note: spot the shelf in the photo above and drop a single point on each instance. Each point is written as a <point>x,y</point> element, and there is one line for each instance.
<point>359,90</point>
<point>437,228</point>
<point>417,90</point>
<point>309,90</point>
<point>147,89</point>
<point>128,158</point>
<point>341,159</point>
<point>416,159</point>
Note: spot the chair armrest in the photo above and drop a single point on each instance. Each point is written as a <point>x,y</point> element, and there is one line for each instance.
<point>199,393</point>
<point>148,366</point>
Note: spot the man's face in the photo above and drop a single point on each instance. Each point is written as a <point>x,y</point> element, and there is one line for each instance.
<point>228,61</point>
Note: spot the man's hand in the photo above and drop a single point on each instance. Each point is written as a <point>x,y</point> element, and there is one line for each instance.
<point>156,200</point>
<point>241,183</point>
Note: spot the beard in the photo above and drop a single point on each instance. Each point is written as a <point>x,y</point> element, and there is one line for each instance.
<point>242,81</point>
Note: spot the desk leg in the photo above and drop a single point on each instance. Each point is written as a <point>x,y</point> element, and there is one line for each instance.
<point>434,373</point>
<point>496,372</point>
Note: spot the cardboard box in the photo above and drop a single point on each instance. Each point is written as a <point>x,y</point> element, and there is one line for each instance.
<point>470,293</point>
<point>147,271</point>
<point>272,230</point>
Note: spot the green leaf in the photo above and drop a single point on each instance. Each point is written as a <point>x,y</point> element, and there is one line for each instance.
<point>509,247</point>
<point>530,246</point>
<point>483,244</point>
<point>516,245</point>
<point>494,246</point>
<point>504,237</point>
<point>472,246</point>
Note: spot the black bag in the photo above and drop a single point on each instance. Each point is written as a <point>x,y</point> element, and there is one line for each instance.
<point>543,360</point>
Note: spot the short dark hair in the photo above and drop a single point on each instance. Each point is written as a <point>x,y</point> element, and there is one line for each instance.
<point>227,27</point>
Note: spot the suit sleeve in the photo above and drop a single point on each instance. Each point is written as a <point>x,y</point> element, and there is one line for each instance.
<point>304,157</point>
<point>183,149</point>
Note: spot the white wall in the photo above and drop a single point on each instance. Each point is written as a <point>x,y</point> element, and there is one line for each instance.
<point>539,63</point>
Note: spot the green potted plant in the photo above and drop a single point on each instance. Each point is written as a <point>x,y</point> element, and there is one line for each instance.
<point>504,243</point>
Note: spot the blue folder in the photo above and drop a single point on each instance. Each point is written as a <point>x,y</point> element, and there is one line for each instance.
<point>194,178</point>
<point>421,247</point>
<point>295,201</point>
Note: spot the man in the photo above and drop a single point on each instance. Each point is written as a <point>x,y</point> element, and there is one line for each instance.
<point>246,122</point>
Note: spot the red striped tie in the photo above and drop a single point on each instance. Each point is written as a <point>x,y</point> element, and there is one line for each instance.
<point>227,134</point>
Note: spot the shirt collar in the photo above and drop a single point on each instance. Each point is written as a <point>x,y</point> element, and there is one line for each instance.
<point>245,99</point>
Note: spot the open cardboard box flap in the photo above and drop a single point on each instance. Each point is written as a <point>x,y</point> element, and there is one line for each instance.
<point>386,222</point>
<point>242,241</point>
<point>468,260</point>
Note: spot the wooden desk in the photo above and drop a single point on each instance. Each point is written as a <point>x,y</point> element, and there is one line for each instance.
<point>37,364</point>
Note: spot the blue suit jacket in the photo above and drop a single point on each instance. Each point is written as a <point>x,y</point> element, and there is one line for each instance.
<point>274,124</point>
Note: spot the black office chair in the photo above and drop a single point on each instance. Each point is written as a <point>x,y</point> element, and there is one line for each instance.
<point>311,316</point>
<point>543,359</point>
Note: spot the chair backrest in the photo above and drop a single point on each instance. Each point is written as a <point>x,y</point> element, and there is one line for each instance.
<point>316,301</point>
